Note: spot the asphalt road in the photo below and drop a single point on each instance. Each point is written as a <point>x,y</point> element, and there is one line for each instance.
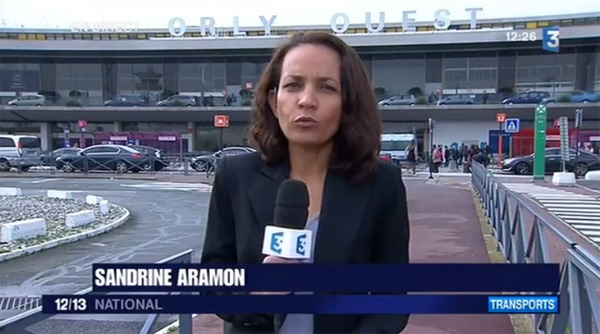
<point>167,218</point>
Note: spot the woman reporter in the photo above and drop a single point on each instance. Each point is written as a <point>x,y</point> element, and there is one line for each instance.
<point>315,119</point>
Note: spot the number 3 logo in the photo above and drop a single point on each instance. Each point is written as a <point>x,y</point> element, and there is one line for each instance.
<point>553,38</point>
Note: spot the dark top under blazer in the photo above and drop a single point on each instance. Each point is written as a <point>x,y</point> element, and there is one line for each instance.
<point>360,223</point>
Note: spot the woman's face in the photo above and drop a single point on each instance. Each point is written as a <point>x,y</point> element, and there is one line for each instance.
<point>308,102</point>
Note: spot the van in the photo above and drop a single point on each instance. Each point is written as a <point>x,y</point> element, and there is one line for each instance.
<point>22,152</point>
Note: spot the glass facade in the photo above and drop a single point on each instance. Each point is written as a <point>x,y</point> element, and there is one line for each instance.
<point>230,81</point>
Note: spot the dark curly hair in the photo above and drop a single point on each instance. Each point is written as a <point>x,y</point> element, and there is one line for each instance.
<point>358,139</point>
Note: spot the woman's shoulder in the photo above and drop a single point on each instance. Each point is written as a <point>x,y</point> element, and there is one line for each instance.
<point>388,174</point>
<point>242,163</point>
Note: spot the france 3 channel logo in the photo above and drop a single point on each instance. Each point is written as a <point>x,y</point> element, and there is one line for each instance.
<point>551,39</point>
<point>523,304</point>
<point>277,242</point>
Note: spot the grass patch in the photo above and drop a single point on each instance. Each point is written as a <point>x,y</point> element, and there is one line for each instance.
<point>522,324</point>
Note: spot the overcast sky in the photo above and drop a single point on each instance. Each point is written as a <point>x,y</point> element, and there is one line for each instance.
<point>150,14</point>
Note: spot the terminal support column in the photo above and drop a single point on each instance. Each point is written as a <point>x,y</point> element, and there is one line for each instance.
<point>46,136</point>
<point>192,136</point>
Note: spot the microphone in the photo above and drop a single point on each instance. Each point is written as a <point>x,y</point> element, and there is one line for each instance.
<point>287,238</point>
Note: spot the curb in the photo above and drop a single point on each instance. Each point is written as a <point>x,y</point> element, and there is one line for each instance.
<point>174,324</point>
<point>55,176</point>
<point>66,240</point>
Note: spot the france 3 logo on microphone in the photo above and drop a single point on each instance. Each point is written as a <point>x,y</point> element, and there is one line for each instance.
<point>287,243</point>
<point>551,41</point>
<point>277,243</point>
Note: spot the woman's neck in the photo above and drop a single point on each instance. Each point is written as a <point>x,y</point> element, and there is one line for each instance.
<point>309,162</point>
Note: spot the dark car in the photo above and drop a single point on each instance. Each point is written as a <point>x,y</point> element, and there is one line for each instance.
<point>206,162</point>
<point>524,165</point>
<point>103,158</point>
<point>49,157</point>
<point>159,157</point>
<point>128,100</point>
<point>531,97</point>
<point>180,101</point>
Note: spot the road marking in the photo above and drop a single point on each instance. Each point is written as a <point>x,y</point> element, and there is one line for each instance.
<point>42,181</point>
<point>581,212</point>
<point>199,187</point>
<point>581,221</point>
<point>586,227</point>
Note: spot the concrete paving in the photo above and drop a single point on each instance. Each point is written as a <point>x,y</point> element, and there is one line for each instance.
<point>165,221</point>
<point>444,229</point>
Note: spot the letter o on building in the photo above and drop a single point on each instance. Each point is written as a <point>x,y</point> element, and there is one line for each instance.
<point>345,24</point>
<point>182,27</point>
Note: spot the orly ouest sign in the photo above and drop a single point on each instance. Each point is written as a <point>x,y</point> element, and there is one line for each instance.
<point>339,23</point>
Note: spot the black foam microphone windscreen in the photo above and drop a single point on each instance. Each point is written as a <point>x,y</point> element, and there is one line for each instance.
<point>291,205</point>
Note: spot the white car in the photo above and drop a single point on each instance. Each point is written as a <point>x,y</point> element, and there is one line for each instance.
<point>22,152</point>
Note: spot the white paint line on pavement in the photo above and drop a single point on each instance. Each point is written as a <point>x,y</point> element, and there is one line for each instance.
<point>596,239</point>
<point>581,221</point>
<point>43,181</point>
<point>588,233</point>
<point>576,210</point>
<point>587,227</point>
<point>577,214</point>
<point>569,205</point>
<point>588,218</point>
<point>568,200</point>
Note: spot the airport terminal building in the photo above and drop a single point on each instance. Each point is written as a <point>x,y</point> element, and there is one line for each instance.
<point>77,71</point>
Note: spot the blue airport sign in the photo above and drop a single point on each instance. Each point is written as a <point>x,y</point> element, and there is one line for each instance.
<point>512,125</point>
<point>551,41</point>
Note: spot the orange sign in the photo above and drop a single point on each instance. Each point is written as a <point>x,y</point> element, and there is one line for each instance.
<point>500,118</point>
<point>221,121</point>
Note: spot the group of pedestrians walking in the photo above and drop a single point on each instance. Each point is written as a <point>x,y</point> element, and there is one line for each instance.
<point>450,156</point>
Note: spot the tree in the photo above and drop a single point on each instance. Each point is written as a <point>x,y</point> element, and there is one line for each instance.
<point>415,91</point>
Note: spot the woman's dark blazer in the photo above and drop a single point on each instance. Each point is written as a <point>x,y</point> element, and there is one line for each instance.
<point>360,223</point>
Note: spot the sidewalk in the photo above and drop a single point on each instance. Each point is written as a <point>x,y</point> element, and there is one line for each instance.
<point>445,228</point>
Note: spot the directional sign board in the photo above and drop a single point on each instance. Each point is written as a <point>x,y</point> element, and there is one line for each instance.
<point>221,121</point>
<point>539,156</point>
<point>564,140</point>
<point>512,125</point>
<point>551,40</point>
<point>578,118</point>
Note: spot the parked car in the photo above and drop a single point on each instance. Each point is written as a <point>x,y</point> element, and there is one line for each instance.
<point>28,101</point>
<point>457,99</point>
<point>524,165</point>
<point>49,157</point>
<point>117,158</point>
<point>204,163</point>
<point>180,101</point>
<point>159,157</point>
<point>128,100</point>
<point>399,100</point>
<point>531,97</point>
<point>578,96</point>
<point>22,152</point>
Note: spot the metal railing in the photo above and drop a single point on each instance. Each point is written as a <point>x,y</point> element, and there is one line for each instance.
<point>119,165</point>
<point>579,293</point>
<point>20,322</point>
